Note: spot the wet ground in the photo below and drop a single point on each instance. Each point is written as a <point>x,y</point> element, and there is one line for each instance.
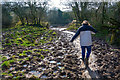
<point>60,60</point>
<point>63,60</point>
<point>104,59</point>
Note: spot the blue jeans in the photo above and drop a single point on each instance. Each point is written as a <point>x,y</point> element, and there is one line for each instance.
<point>88,51</point>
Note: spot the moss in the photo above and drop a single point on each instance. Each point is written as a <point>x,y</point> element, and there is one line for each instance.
<point>36,50</point>
<point>11,61</point>
<point>5,65</point>
<point>72,27</point>
<point>50,39</point>
<point>27,59</point>
<point>19,41</point>
<point>27,51</point>
<point>4,58</point>
<point>10,74</point>
<point>22,54</point>
<point>42,41</point>
<point>16,78</point>
<point>54,33</point>
<point>19,59</point>
<point>1,48</point>
<point>50,31</point>
<point>42,56</point>
<point>4,73</point>
<point>19,38</point>
<point>0,58</point>
<point>13,56</point>
<point>8,44</point>
<point>33,77</point>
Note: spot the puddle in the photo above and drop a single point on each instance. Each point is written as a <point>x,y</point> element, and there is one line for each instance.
<point>69,32</point>
<point>28,55</point>
<point>55,72</point>
<point>25,65</point>
<point>14,77</point>
<point>43,76</point>
<point>7,57</point>
<point>66,54</point>
<point>11,68</point>
<point>43,68</point>
<point>60,57</point>
<point>58,63</point>
<point>23,70</point>
<point>53,62</point>
<point>60,67</point>
<point>60,29</point>
<point>63,76</point>
<point>41,38</point>
<point>35,73</point>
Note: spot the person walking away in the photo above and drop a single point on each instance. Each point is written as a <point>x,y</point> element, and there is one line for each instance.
<point>85,32</point>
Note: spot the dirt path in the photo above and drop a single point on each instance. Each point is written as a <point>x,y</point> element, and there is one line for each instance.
<point>91,71</point>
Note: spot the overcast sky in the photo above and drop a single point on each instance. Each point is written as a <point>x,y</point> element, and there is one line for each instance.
<point>52,3</point>
<point>59,3</point>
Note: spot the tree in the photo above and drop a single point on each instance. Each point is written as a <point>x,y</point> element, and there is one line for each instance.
<point>115,23</point>
<point>29,12</point>
<point>56,16</point>
<point>6,17</point>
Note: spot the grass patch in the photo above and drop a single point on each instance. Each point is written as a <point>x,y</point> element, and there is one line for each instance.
<point>22,54</point>
<point>5,65</point>
<point>73,26</point>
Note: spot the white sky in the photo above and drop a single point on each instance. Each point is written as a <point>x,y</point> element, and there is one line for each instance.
<point>60,3</point>
<point>52,3</point>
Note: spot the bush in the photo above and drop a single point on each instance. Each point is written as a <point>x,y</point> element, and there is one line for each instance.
<point>72,27</point>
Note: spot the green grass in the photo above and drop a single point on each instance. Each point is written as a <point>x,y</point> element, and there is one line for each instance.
<point>4,58</point>
<point>0,58</point>
<point>22,54</point>
<point>25,36</point>
<point>73,26</point>
<point>25,51</point>
<point>54,33</point>
<point>5,64</point>
<point>4,73</point>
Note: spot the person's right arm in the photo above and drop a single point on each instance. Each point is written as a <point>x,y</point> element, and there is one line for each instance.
<point>76,34</point>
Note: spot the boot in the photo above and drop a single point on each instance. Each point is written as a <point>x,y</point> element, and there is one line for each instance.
<point>86,63</point>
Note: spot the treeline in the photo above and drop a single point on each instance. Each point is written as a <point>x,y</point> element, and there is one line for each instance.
<point>105,16</point>
<point>56,16</point>
<point>25,12</point>
<point>32,13</point>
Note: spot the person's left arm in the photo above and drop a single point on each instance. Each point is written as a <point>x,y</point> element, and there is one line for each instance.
<point>93,30</point>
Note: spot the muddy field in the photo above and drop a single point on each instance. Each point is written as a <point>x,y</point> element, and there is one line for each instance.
<point>107,59</point>
<point>59,59</point>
